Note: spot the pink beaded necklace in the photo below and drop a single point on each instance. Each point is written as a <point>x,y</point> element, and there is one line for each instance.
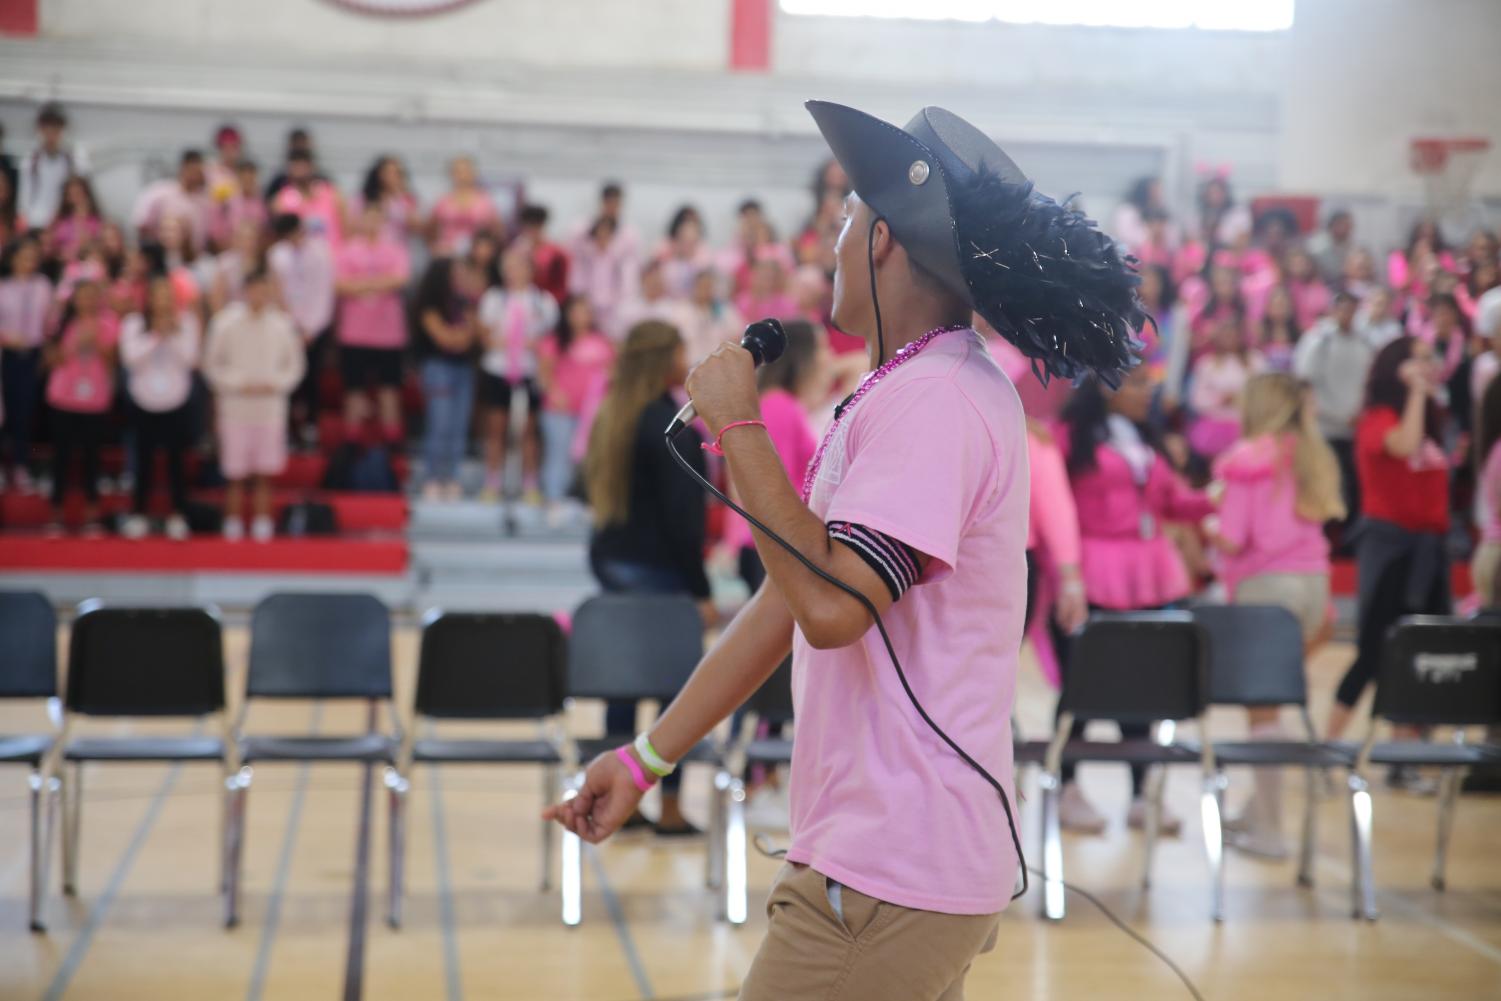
<point>903,354</point>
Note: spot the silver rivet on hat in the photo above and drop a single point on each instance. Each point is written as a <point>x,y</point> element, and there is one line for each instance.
<point>918,172</point>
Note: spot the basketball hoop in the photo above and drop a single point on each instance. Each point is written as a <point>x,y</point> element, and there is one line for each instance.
<point>1447,167</point>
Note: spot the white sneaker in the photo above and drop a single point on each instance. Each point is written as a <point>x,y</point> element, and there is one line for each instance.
<point>177,528</point>
<point>135,527</point>
<point>23,482</point>
<point>1075,813</point>
<point>432,492</point>
<point>1168,825</point>
<point>262,529</point>
<point>234,529</point>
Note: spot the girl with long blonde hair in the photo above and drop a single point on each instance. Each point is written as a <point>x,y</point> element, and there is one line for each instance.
<point>649,516</point>
<point>1281,484</point>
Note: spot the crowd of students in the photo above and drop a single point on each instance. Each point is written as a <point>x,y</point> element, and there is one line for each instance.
<point>1300,397</point>
<point>124,332</point>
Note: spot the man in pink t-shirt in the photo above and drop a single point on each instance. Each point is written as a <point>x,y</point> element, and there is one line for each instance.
<point>903,852</point>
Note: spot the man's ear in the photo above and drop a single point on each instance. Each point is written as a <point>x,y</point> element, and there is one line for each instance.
<point>884,242</point>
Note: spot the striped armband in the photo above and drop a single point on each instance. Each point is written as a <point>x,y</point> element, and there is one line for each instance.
<point>895,562</point>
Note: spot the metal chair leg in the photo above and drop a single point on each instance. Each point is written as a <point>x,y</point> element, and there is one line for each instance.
<point>43,799</point>
<point>397,787</point>
<point>237,790</point>
<point>734,849</point>
<point>1052,848</point>
<point>1211,806</point>
<point>1448,794</point>
<point>72,821</point>
<point>572,878</point>
<point>1362,883</point>
<point>1156,779</point>
<point>1310,827</point>
<point>549,836</point>
<point>714,854</point>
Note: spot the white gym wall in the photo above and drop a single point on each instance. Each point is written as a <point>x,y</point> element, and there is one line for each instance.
<point>567,92</point>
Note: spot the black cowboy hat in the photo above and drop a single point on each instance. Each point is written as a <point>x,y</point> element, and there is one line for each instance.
<point>1041,273</point>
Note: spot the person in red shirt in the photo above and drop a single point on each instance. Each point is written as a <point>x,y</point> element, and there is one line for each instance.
<point>549,261</point>
<point>1403,566</point>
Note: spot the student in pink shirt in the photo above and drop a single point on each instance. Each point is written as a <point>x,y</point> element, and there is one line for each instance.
<point>1279,331</point>
<point>1311,297</point>
<point>386,185</point>
<point>1218,380</point>
<point>1485,567</point>
<point>371,269</point>
<point>80,392</point>
<point>77,223</point>
<point>766,295</point>
<point>462,212</point>
<point>513,318</point>
<point>783,385</point>
<point>570,361</point>
<point>1281,484</point>
<point>303,267</point>
<point>159,351</point>
<point>903,852</point>
<point>184,196</point>
<point>310,198</point>
<point>25,305</point>
<point>684,254</point>
<point>604,270</point>
<point>244,253</point>
<point>243,204</point>
<point>1224,301</point>
<point>1124,491</point>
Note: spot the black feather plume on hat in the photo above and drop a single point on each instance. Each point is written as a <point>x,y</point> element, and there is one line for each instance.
<point>1047,279</point>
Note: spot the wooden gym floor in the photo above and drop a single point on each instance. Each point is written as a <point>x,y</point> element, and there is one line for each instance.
<point>146,923</point>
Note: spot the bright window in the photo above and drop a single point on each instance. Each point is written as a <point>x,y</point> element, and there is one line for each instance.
<point>1218,15</point>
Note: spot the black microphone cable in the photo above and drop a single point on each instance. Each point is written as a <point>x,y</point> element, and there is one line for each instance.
<point>901,674</point>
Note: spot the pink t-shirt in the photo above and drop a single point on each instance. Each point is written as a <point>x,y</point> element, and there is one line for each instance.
<point>318,209</point>
<point>24,303</point>
<point>934,456</point>
<point>85,383</point>
<point>457,223</point>
<point>575,372</point>
<point>372,320</point>
<point>1258,514</point>
<point>791,435</point>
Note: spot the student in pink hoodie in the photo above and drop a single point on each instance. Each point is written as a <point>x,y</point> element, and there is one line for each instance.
<point>1485,568</point>
<point>1124,490</point>
<point>1281,484</point>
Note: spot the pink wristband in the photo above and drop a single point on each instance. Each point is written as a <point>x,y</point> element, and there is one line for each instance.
<point>638,776</point>
<point>716,448</point>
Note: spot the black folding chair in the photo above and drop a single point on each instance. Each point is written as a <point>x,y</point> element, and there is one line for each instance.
<point>162,663</point>
<point>486,667</point>
<point>1256,660</point>
<point>28,670</point>
<point>772,703</point>
<point>314,646</point>
<point>1137,667</point>
<point>636,646</point>
<point>1435,672</point>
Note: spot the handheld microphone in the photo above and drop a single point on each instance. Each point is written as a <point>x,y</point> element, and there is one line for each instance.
<point>765,340</point>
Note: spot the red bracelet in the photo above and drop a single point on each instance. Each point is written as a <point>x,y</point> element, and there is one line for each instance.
<point>715,448</point>
<point>638,775</point>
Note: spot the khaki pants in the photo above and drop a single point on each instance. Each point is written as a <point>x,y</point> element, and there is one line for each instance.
<point>876,952</point>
